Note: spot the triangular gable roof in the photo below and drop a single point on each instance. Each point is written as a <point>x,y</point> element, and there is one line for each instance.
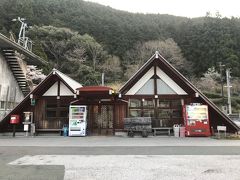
<point>179,78</point>
<point>68,81</point>
<point>43,87</point>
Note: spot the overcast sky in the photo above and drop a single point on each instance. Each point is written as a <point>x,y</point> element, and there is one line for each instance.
<point>187,8</point>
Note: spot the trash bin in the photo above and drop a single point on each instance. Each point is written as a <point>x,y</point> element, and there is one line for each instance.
<point>33,130</point>
<point>182,131</point>
<point>65,131</point>
<point>176,130</point>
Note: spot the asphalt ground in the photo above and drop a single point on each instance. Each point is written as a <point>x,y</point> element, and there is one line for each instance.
<point>125,153</point>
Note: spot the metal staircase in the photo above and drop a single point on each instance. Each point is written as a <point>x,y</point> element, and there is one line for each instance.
<point>17,71</point>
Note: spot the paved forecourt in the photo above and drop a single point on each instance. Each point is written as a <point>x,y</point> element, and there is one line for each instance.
<point>100,141</point>
<point>141,167</point>
<point>118,158</point>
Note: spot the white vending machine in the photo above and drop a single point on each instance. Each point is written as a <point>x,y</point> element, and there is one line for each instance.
<point>77,120</point>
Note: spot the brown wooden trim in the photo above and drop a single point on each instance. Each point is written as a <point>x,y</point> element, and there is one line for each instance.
<point>155,79</point>
<point>126,97</point>
<point>58,88</point>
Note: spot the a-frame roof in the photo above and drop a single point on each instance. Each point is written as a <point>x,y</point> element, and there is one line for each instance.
<point>41,88</point>
<point>158,60</point>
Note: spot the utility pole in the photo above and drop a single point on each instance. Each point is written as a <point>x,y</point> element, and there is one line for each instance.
<point>229,90</point>
<point>102,79</point>
<point>221,76</point>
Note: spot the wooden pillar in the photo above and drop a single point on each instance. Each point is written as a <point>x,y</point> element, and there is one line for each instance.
<point>155,89</point>
<point>114,115</point>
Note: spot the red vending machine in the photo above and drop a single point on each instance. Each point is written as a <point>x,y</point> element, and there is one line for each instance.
<point>196,120</point>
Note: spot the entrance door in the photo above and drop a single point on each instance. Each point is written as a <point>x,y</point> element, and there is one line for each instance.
<point>100,119</point>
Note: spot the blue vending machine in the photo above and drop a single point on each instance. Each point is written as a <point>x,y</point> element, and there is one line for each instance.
<point>77,120</point>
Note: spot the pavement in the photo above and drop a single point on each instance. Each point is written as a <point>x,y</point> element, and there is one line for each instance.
<point>104,141</point>
<point>139,167</point>
<point>112,157</point>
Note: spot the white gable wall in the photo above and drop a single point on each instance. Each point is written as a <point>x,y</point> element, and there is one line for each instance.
<point>64,90</point>
<point>53,90</point>
<point>141,85</point>
<point>174,86</point>
<point>141,82</point>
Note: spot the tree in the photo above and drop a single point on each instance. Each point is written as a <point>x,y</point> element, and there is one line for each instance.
<point>93,48</point>
<point>81,57</point>
<point>209,81</point>
<point>169,49</point>
<point>112,69</point>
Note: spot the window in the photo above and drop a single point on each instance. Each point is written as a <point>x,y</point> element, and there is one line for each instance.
<point>141,108</point>
<point>164,113</point>
<point>148,112</point>
<point>135,113</point>
<point>163,104</point>
<point>135,103</point>
<point>2,106</point>
<point>148,103</point>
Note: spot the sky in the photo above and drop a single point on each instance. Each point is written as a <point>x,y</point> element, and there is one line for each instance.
<point>187,8</point>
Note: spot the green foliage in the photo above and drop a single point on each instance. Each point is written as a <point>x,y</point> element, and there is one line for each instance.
<point>137,56</point>
<point>69,52</point>
<point>203,41</point>
<point>212,95</point>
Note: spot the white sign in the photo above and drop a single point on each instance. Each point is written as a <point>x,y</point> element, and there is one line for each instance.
<point>221,128</point>
<point>26,127</point>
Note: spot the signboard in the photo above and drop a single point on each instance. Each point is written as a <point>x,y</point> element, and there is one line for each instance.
<point>26,127</point>
<point>221,128</point>
<point>197,112</point>
<point>14,119</point>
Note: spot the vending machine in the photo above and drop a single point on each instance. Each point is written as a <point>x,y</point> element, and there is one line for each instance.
<point>77,120</point>
<point>196,120</point>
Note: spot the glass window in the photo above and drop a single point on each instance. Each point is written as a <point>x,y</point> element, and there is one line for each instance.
<point>176,103</point>
<point>163,104</point>
<point>147,88</point>
<point>148,112</point>
<point>163,88</point>
<point>164,113</point>
<point>135,103</point>
<point>135,113</point>
<point>2,105</point>
<point>148,103</point>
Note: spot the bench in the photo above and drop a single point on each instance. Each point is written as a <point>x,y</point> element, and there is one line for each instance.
<point>49,130</point>
<point>168,129</point>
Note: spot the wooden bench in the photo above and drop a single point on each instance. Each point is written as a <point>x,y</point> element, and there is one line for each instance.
<point>49,130</point>
<point>168,129</point>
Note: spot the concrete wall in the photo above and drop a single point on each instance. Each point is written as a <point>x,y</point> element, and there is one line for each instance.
<point>10,93</point>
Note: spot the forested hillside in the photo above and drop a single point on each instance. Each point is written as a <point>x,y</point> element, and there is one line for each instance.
<point>84,39</point>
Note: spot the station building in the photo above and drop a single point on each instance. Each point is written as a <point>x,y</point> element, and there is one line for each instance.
<point>156,90</point>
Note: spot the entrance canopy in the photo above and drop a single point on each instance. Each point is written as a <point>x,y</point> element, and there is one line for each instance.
<point>96,92</point>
